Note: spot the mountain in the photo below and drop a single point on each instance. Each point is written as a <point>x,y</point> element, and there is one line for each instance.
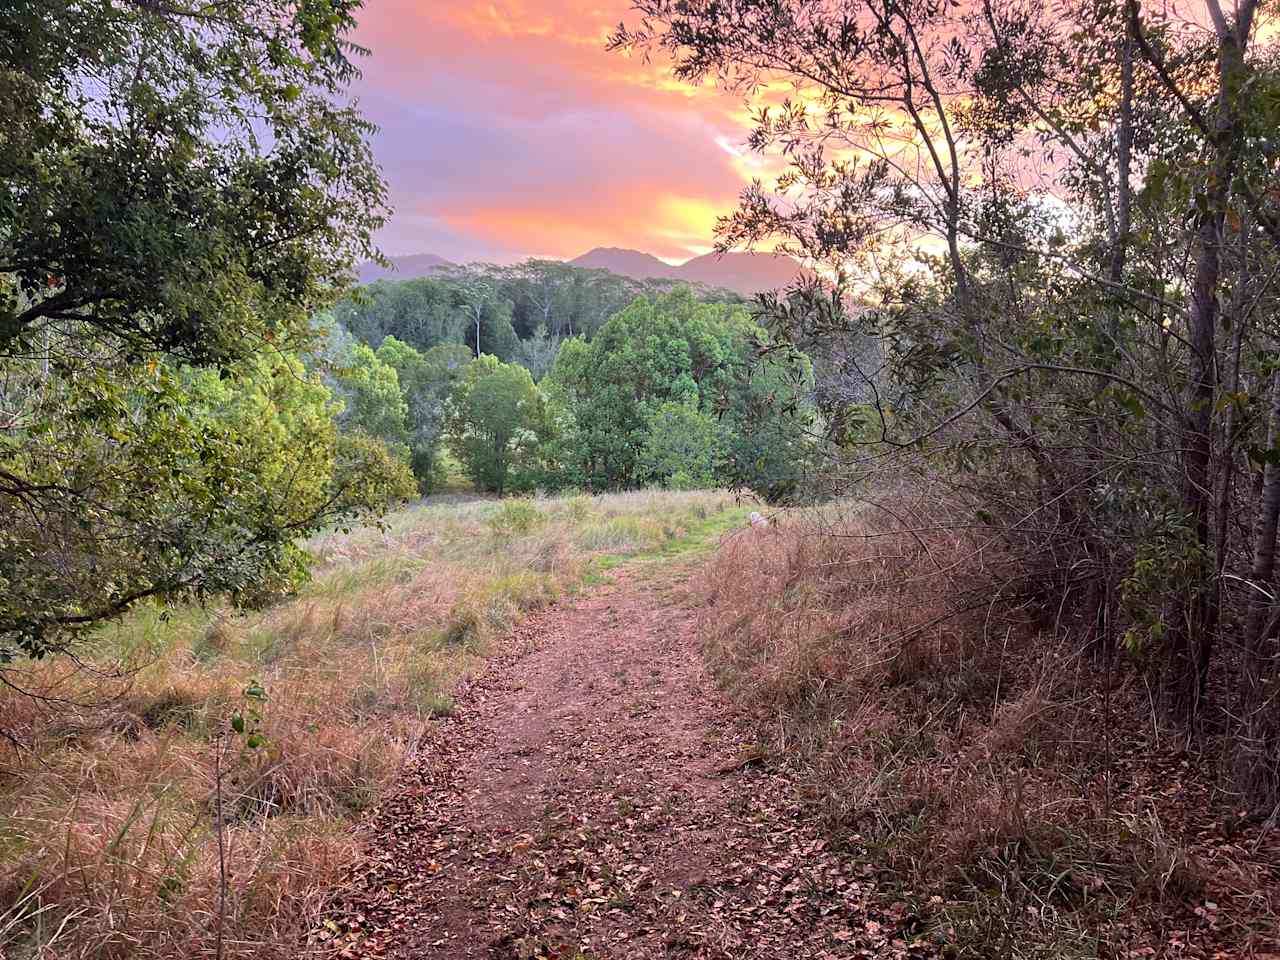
<point>626,263</point>
<point>743,273</point>
<point>406,268</point>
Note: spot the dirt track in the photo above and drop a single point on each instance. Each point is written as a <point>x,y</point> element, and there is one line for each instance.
<point>593,798</point>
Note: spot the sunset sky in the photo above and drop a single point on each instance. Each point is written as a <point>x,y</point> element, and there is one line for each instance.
<point>507,131</point>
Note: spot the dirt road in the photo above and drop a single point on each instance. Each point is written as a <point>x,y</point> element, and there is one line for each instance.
<point>593,797</point>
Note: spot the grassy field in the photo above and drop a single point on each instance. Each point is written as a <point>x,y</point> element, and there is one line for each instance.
<point>119,760</point>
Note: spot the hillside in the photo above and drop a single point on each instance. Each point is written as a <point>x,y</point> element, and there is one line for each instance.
<point>403,268</point>
<point>744,273</point>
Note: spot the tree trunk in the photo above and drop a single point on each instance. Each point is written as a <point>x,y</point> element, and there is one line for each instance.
<point>1263,569</point>
<point>1192,636</point>
<point>1124,152</point>
<point>1192,646</point>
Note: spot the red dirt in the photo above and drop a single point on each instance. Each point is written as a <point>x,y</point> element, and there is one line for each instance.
<point>593,797</point>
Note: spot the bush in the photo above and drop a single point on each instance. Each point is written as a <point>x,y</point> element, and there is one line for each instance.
<point>515,517</point>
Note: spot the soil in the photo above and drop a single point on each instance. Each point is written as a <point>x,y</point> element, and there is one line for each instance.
<point>594,797</point>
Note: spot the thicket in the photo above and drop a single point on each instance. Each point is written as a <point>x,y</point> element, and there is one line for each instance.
<point>1050,237</point>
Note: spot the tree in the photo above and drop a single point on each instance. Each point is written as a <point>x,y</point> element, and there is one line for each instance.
<point>495,424</point>
<point>426,380</point>
<point>182,190</point>
<point>669,354</point>
<point>372,399</point>
<point>1062,223</point>
<point>423,313</point>
<point>167,482</point>
<point>183,181</point>
<point>650,353</point>
<point>488,315</point>
<point>537,354</point>
<point>682,448</point>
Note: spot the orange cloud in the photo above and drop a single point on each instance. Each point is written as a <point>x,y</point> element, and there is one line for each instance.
<point>507,128</point>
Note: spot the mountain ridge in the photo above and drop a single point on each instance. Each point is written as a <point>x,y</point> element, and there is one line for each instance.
<point>743,273</point>
<point>402,268</point>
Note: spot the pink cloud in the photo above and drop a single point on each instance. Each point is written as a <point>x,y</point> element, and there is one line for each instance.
<point>508,129</point>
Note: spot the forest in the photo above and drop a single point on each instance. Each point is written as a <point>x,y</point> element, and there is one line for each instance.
<point>583,380</point>
<point>928,606</point>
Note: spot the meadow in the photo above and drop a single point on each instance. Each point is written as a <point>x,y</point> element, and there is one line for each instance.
<point>289,721</point>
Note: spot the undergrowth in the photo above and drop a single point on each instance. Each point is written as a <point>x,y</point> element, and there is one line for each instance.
<point>108,784</point>
<point>1012,787</point>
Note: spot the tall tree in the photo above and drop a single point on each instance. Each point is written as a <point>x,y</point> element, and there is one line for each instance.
<point>495,423</point>
<point>181,189</point>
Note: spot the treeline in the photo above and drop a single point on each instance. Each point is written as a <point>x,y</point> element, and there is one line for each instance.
<point>519,314</point>
<point>666,389</point>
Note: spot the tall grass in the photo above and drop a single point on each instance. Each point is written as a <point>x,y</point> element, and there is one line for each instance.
<point>108,839</point>
<point>947,737</point>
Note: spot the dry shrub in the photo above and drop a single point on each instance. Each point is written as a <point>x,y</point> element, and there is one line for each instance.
<point>321,769</point>
<point>493,607</point>
<point>1028,726</point>
<point>1164,867</point>
<point>892,654</point>
<point>112,855</point>
<point>819,604</point>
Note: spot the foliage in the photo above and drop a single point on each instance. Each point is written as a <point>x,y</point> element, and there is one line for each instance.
<point>543,302</point>
<point>651,353</point>
<point>425,381</point>
<point>618,398</point>
<point>494,423</point>
<point>537,354</point>
<point>105,468</point>
<point>422,313</point>
<point>1050,285</point>
<point>182,190</point>
<point>183,181</point>
<point>373,401</point>
<point>682,447</point>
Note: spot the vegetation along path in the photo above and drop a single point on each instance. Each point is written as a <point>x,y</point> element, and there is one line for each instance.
<point>592,797</point>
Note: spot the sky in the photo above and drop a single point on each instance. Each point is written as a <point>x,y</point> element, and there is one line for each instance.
<point>507,130</point>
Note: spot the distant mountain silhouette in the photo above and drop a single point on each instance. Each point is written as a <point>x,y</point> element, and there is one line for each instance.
<point>743,273</point>
<point>406,268</point>
<point>626,263</point>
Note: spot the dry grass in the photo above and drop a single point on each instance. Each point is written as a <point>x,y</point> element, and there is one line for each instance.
<point>939,734</point>
<point>107,828</point>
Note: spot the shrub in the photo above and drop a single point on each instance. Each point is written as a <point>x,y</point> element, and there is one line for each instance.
<point>515,517</point>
